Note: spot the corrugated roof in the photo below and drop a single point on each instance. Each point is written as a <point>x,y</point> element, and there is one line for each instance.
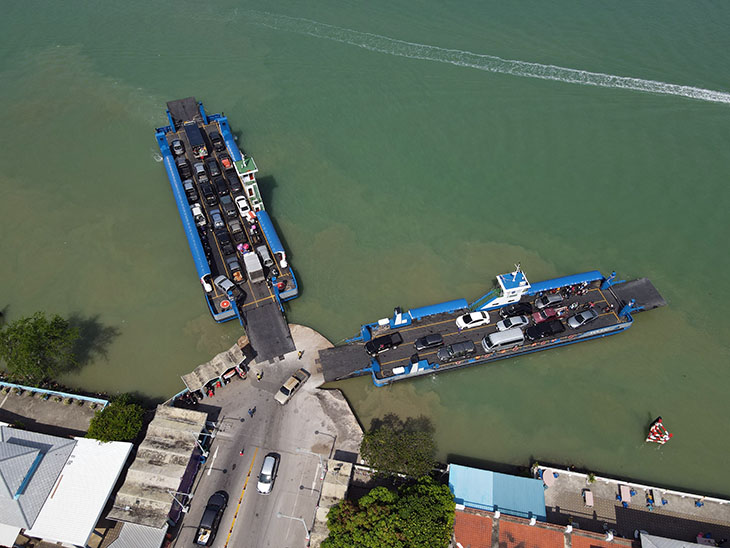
<point>15,464</point>
<point>161,460</point>
<point>54,452</point>
<point>651,541</point>
<point>213,369</point>
<point>133,535</point>
<point>81,491</point>
<point>483,489</point>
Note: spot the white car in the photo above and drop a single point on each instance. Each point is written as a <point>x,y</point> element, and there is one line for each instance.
<point>242,205</point>
<point>291,385</point>
<point>197,212</point>
<point>473,319</point>
<point>269,468</point>
<point>514,321</point>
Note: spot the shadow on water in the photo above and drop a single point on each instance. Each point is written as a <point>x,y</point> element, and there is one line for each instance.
<point>94,338</point>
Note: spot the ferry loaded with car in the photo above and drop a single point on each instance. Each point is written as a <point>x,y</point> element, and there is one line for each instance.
<point>238,255</point>
<point>514,318</point>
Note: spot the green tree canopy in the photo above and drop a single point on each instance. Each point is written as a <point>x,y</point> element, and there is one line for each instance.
<point>421,514</point>
<point>36,348</point>
<point>394,446</point>
<point>121,420</point>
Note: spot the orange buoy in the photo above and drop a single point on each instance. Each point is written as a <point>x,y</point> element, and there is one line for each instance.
<point>225,304</point>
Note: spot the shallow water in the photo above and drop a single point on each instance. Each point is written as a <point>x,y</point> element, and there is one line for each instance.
<point>408,153</point>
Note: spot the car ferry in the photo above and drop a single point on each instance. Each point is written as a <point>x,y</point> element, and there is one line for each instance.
<point>240,260</point>
<point>513,319</point>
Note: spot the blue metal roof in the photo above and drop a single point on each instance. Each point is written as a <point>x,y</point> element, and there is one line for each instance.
<point>486,490</point>
<point>513,280</point>
<point>564,281</point>
<point>449,306</point>
<point>191,231</point>
<point>268,227</point>
<point>228,138</point>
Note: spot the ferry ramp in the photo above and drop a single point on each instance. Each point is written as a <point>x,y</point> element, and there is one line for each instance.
<point>342,362</point>
<point>268,332</point>
<point>641,290</point>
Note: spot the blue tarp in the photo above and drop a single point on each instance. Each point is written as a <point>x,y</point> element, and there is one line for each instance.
<point>268,227</point>
<point>191,231</point>
<point>486,490</point>
<point>555,283</point>
<point>449,306</point>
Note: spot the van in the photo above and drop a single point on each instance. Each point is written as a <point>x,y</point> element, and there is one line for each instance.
<point>503,339</point>
<point>265,257</point>
<point>457,350</point>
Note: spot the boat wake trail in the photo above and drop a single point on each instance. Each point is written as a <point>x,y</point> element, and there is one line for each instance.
<point>490,63</point>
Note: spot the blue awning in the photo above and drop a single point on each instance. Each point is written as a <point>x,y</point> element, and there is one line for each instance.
<point>191,231</point>
<point>486,490</point>
<point>555,283</point>
<point>268,227</point>
<point>449,306</point>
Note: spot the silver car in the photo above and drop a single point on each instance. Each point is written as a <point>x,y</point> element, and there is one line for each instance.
<point>224,284</point>
<point>582,318</point>
<point>514,321</point>
<point>268,474</point>
<point>548,300</point>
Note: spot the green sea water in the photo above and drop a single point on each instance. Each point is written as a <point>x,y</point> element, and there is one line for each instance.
<point>409,152</point>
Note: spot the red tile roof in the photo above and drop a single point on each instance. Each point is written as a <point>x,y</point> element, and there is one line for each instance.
<point>517,535</point>
<point>472,530</point>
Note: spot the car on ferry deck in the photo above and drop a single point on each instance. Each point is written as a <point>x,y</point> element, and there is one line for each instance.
<point>545,329</point>
<point>234,181</point>
<point>544,315</point>
<point>227,206</point>
<point>384,343</point>
<point>242,205</point>
<point>200,173</point>
<point>432,340</point>
<point>582,318</point>
<point>213,168</point>
<point>211,198</point>
<point>220,186</point>
<point>183,166</point>
<point>514,321</point>
<point>225,242</point>
<point>516,309</point>
<point>225,160</point>
<point>217,219</point>
<point>217,141</point>
<point>224,284</point>
<point>548,300</point>
<point>457,350</point>
<point>178,148</point>
<point>190,191</point>
<point>197,212</point>
<point>473,319</point>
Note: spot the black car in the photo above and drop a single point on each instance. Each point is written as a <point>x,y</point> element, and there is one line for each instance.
<point>544,329</point>
<point>234,181</point>
<point>227,206</point>
<point>211,518</point>
<point>516,309</point>
<point>381,344</point>
<point>225,242</point>
<point>220,186</point>
<point>429,341</point>
<point>217,141</point>
<point>211,198</point>
<point>460,349</point>
<point>190,191</point>
<point>183,166</point>
<point>213,168</point>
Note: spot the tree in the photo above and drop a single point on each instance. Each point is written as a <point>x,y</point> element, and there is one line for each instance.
<point>421,514</point>
<point>393,446</point>
<point>36,348</point>
<point>121,420</point>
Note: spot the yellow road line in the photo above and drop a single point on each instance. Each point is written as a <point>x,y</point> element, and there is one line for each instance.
<point>245,483</point>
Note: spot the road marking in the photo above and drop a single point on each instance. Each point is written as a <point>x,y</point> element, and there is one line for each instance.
<point>213,460</point>
<point>245,483</point>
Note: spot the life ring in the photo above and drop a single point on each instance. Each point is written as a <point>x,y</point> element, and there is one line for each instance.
<point>225,304</point>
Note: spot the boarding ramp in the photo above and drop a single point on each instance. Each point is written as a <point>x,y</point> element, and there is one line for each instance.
<point>184,110</point>
<point>642,290</point>
<point>268,332</point>
<point>343,362</point>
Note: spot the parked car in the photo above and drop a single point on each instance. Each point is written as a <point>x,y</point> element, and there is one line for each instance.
<point>190,192</point>
<point>213,168</point>
<point>217,219</point>
<point>224,284</point>
<point>516,309</point>
<point>200,173</point>
<point>217,141</point>
<point>211,518</point>
<point>227,206</point>
<point>473,319</point>
<point>291,385</point>
<point>514,321</point>
<point>234,181</point>
<point>226,161</point>
<point>178,148</point>
<point>544,315</point>
<point>242,205</point>
<point>183,166</point>
<point>234,226</point>
<point>267,476</point>
<point>457,350</point>
<point>548,300</point>
<point>224,240</point>
<point>384,343</point>
<point>544,329</point>
<point>211,198</point>
<point>582,318</point>
<point>197,212</point>
<point>432,340</point>
<point>220,186</point>
<point>234,267</point>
